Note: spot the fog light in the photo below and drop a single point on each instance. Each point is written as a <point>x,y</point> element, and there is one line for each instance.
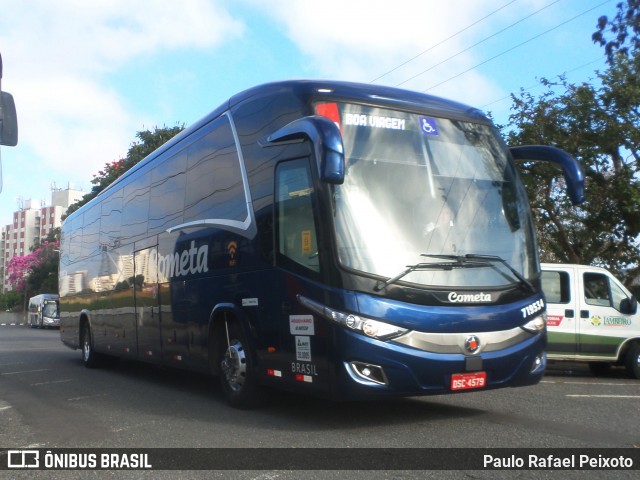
<point>539,362</point>
<point>367,373</point>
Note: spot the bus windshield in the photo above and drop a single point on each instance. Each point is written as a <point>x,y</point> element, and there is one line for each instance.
<point>418,189</point>
<point>50,309</point>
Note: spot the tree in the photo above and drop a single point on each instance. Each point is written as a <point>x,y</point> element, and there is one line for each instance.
<point>37,271</point>
<point>148,142</point>
<point>600,125</point>
<point>10,300</point>
<point>43,275</point>
<point>625,27</point>
<point>18,269</point>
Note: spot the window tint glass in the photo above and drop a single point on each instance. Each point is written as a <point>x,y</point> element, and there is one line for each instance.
<point>596,289</point>
<point>91,231</point>
<point>135,209</point>
<point>215,187</point>
<point>297,239</point>
<point>168,181</point>
<point>75,242</point>
<point>617,295</point>
<point>111,220</point>
<point>556,287</point>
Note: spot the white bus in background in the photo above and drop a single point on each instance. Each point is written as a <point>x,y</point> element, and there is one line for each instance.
<point>44,311</point>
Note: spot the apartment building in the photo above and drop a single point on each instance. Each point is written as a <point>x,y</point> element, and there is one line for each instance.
<point>32,223</point>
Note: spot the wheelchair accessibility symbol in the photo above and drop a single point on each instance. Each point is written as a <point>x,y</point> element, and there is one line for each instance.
<point>428,126</point>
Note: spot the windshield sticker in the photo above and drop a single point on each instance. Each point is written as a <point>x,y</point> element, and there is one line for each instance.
<point>428,126</point>
<point>375,121</point>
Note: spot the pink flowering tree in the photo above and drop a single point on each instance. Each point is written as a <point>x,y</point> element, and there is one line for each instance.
<point>36,271</point>
<point>18,270</point>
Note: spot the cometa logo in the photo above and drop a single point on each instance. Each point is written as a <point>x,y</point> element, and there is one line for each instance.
<point>456,297</point>
<point>178,264</point>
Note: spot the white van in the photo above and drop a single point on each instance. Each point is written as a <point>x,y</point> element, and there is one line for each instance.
<point>591,317</point>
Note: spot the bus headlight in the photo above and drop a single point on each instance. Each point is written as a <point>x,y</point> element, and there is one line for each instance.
<point>367,326</point>
<point>536,325</point>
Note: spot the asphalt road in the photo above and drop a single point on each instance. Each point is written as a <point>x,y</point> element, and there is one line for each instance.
<point>49,400</point>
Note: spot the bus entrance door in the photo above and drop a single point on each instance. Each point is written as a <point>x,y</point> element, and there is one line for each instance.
<point>147,305</point>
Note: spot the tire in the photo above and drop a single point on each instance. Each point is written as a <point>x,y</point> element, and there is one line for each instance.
<point>237,375</point>
<point>90,357</point>
<point>633,361</point>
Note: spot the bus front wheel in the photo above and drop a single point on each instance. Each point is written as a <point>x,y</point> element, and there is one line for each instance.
<point>237,376</point>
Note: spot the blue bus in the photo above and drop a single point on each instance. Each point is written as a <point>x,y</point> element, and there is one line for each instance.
<point>338,239</point>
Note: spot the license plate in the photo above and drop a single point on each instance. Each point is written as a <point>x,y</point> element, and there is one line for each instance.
<point>467,381</point>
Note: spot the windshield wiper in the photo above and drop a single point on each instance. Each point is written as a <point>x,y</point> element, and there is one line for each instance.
<point>424,266</point>
<point>472,259</point>
<point>469,260</point>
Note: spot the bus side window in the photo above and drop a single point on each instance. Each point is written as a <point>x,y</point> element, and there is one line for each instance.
<point>596,289</point>
<point>556,287</point>
<point>296,229</point>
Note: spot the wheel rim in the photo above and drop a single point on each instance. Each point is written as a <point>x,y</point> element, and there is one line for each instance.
<point>86,346</point>
<point>234,366</point>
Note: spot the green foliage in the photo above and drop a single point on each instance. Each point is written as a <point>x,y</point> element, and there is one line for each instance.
<point>43,275</point>
<point>598,123</point>
<point>624,28</point>
<point>11,301</point>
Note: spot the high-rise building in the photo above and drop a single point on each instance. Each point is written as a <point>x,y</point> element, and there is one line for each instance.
<point>32,223</point>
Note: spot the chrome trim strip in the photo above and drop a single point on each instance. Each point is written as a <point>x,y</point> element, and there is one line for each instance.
<point>454,342</point>
<point>581,358</point>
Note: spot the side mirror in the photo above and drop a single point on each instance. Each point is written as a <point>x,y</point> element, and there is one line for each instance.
<point>629,306</point>
<point>8,120</point>
<point>327,143</point>
<point>571,170</point>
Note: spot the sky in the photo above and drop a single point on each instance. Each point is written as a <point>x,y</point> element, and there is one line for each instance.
<point>86,76</point>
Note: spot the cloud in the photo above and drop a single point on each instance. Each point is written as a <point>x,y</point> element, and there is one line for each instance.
<point>93,37</point>
<point>363,40</point>
<point>59,59</point>
<point>370,34</point>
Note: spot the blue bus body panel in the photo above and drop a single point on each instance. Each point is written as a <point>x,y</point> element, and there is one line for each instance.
<point>414,372</point>
<point>444,319</point>
<point>410,371</point>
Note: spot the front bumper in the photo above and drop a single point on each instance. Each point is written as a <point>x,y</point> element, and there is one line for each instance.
<point>399,370</point>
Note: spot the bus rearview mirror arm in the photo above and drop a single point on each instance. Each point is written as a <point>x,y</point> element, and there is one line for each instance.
<point>327,143</point>
<point>571,170</point>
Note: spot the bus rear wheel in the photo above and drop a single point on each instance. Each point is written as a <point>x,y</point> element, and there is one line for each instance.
<point>237,376</point>
<point>633,361</point>
<point>90,357</point>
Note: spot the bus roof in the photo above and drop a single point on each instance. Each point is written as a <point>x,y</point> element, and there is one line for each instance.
<point>366,93</point>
